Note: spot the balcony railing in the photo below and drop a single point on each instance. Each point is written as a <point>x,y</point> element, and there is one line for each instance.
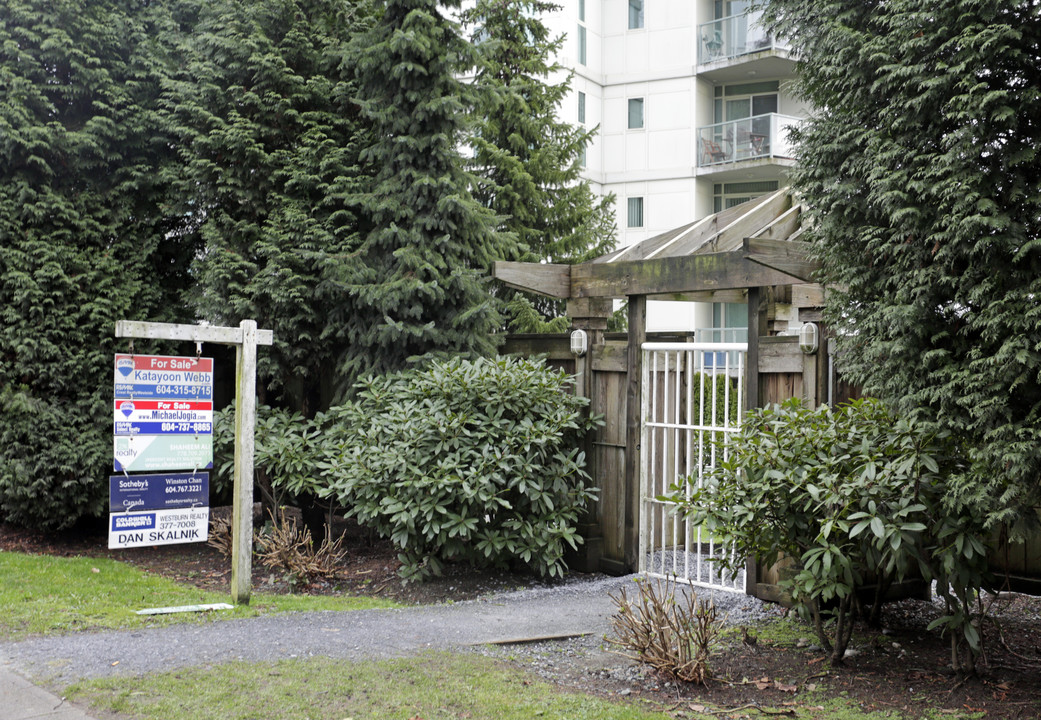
<point>760,136</point>
<point>733,36</point>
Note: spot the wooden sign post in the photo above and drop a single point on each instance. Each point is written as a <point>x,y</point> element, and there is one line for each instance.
<point>245,338</point>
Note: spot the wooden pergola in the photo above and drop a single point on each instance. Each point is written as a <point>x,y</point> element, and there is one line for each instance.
<point>749,253</point>
<point>731,256</point>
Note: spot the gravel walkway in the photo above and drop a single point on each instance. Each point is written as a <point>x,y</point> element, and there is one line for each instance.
<point>579,608</point>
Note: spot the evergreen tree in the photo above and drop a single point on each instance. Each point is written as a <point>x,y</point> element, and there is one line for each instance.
<point>922,170</point>
<point>270,139</point>
<point>416,281</point>
<point>85,239</point>
<point>529,161</point>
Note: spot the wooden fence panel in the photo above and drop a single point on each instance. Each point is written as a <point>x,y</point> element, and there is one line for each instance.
<point>1017,566</point>
<point>607,462</point>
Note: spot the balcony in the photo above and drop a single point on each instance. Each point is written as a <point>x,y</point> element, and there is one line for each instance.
<point>758,138</point>
<point>734,36</point>
<point>739,40</point>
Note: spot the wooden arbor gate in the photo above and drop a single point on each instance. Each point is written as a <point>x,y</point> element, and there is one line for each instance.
<point>749,253</point>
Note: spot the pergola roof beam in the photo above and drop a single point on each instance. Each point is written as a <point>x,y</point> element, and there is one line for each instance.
<point>730,236</point>
<point>541,278</point>
<point>785,256</point>
<point>671,275</point>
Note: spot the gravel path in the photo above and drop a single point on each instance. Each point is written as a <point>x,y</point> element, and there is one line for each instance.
<point>579,608</point>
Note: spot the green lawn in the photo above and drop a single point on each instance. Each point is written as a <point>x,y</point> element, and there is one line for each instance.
<point>41,594</point>
<point>432,686</point>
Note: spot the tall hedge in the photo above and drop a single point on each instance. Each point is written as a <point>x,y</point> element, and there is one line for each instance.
<point>922,171</point>
<point>85,241</point>
<point>269,135</point>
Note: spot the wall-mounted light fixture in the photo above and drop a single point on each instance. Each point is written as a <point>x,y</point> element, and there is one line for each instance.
<point>579,342</point>
<point>809,338</point>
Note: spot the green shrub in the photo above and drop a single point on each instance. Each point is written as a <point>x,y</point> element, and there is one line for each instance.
<point>287,450</point>
<point>464,460</point>
<point>855,497</point>
<point>725,399</point>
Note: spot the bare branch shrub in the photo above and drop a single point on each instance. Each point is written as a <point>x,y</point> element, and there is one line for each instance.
<point>287,549</point>
<point>674,636</point>
<point>220,534</point>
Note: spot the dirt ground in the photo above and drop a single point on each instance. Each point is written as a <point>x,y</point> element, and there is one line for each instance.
<point>904,667</point>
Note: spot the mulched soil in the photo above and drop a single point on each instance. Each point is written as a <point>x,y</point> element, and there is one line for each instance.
<point>370,568</point>
<point>903,668</point>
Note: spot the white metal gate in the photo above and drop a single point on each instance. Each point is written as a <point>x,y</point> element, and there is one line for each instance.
<point>692,400</point>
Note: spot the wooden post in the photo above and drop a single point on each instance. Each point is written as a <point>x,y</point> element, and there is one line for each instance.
<point>757,297</point>
<point>756,328</point>
<point>633,409</point>
<point>589,315</point>
<point>820,359</point>
<point>242,502</point>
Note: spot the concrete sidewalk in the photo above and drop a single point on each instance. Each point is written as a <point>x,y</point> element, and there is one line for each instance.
<point>21,700</point>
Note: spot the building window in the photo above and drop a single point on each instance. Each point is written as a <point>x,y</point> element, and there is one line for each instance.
<point>729,324</point>
<point>727,195</point>
<point>634,216</point>
<point>736,102</point>
<point>635,113</point>
<point>728,8</point>
<point>635,14</point>
<point>581,107</point>
<point>582,44</point>
<point>583,158</point>
<point>582,10</point>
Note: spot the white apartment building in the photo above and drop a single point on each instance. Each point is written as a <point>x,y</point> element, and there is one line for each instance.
<point>691,100</point>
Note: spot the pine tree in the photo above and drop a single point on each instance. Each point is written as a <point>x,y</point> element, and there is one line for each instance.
<point>86,238</point>
<point>270,139</point>
<point>922,170</point>
<point>416,281</point>
<point>529,160</point>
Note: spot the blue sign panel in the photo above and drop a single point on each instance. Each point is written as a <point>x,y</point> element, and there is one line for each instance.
<point>167,491</point>
<point>162,428</point>
<point>164,392</point>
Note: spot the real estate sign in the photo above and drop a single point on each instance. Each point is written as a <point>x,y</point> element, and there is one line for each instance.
<point>163,413</point>
<point>166,491</point>
<point>160,509</point>
<point>162,420</point>
<point>158,527</point>
<point>160,376</point>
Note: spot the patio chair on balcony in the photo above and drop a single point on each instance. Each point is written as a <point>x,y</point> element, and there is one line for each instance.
<point>752,144</point>
<point>711,152</point>
<point>763,43</point>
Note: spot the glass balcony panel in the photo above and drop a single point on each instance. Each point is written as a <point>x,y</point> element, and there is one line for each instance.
<point>759,136</point>
<point>731,37</point>
<point>779,131</point>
